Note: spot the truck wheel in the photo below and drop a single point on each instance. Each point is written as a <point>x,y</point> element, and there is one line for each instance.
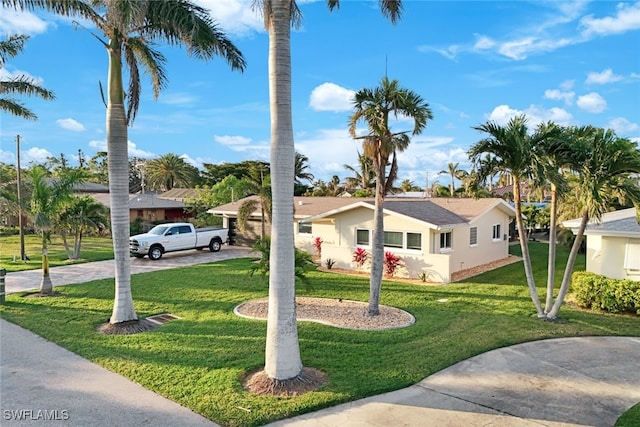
<point>155,253</point>
<point>215,245</point>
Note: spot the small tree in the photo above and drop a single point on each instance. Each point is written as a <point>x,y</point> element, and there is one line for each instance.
<point>318,244</point>
<point>360,256</point>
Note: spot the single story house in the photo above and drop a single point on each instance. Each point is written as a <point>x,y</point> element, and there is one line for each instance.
<point>434,236</point>
<point>613,244</point>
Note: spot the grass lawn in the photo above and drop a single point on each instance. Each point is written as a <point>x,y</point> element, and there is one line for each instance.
<point>92,249</point>
<point>201,359</point>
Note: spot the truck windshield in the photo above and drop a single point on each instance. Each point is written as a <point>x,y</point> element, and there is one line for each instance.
<point>158,230</point>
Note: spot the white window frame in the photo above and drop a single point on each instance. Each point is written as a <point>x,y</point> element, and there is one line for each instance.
<point>364,245</point>
<point>450,239</point>
<point>473,236</point>
<point>394,248</point>
<point>496,233</point>
<point>310,228</point>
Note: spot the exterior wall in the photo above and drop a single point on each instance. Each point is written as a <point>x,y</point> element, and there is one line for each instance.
<point>606,256</point>
<point>464,255</point>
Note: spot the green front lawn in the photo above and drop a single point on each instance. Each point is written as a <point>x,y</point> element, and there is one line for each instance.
<point>200,359</point>
<point>92,249</point>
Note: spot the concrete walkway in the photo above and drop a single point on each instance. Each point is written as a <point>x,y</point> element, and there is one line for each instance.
<point>587,381</point>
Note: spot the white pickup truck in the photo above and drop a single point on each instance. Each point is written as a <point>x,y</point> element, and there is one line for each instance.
<point>178,236</point>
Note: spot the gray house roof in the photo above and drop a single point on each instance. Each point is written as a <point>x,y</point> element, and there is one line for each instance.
<point>622,223</point>
<point>152,201</point>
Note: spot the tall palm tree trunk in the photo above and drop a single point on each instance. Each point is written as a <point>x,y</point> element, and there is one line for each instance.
<point>551,269</point>
<point>118,163</point>
<point>282,357</point>
<point>566,278</point>
<point>46,286</point>
<point>377,244</point>
<point>526,258</point>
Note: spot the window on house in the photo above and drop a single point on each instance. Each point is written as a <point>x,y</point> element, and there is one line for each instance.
<point>393,239</point>
<point>473,236</point>
<point>445,240</point>
<point>362,237</point>
<point>304,227</point>
<point>414,241</point>
<point>497,235</point>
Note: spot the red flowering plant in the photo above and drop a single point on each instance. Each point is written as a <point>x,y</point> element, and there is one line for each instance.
<point>318,244</point>
<point>360,256</point>
<point>391,263</point>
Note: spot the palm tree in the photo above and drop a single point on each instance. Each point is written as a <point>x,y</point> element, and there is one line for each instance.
<point>169,171</point>
<point>454,172</point>
<point>258,184</point>
<point>131,29</point>
<point>380,144</point>
<point>47,200</point>
<point>365,177</point>
<point>301,169</point>
<point>19,85</point>
<point>605,173</point>
<point>512,148</point>
<point>80,215</point>
<point>282,358</point>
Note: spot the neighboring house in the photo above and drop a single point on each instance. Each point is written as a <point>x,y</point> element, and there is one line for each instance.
<point>613,244</point>
<point>435,236</point>
<point>151,207</point>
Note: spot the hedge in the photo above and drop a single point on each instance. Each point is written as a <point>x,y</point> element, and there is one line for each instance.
<point>599,292</point>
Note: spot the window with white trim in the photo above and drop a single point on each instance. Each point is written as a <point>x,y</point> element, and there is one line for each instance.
<point>445,241</point>
<point>393,239</point>
<point>496,233</point>
<point>363,237</point>
<point>414,241</point>
<point>304,227</point>
<point>473,236</point>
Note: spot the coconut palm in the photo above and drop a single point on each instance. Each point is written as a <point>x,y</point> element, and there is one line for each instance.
<point>454,172</point>
<point>512,147</point>
<point>80,215</point>
<point>130,30</point>
<point>47,201</point>
<point>282,358</point>
<point>169,171</point>
<point>607,172</point>
<point>380,144</point>
<point>301,169</point>
<point>18,85</point>
<point>365,177</point>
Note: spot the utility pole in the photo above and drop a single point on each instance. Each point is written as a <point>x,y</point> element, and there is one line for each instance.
<point>23,255</point>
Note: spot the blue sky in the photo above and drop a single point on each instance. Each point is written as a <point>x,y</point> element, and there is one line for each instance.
<point>572,62</point>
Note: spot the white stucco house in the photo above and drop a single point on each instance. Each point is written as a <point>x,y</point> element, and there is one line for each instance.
<point>436,236</point>
<point>613,244</point>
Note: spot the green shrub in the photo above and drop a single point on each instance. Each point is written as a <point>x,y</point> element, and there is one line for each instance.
<point>599,292</point>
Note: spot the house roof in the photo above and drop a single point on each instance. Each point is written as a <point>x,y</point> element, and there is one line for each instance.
<point>438,212</point>
<point>622,223</point>
<point>179,194</point>
<point>152,201</point>
<point>83,186</point>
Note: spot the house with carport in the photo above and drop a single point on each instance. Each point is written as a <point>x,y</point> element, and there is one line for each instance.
<point>613,244</point>
<point>434,236</point>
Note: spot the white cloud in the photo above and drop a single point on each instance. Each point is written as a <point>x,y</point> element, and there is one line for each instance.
<point>567,84</point>
<point>557,94</point>
<point>14,22</point>
<point>521,49</point>
<point>70,124</point>
<point>232,141</point>
<point>177,99</point>
<point>7,157</point>
<point>236,17</point>
<point>133,150</point>
<point>10,75</point>
<point>622,126</point>
<point>331,97</point>
<point>605,76</point>
<point>535,115</point>
<point>483,42</point>
<point>328,151</point>
<point>35,155</point>
<point>627,18</point>
<point>592,103</point>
